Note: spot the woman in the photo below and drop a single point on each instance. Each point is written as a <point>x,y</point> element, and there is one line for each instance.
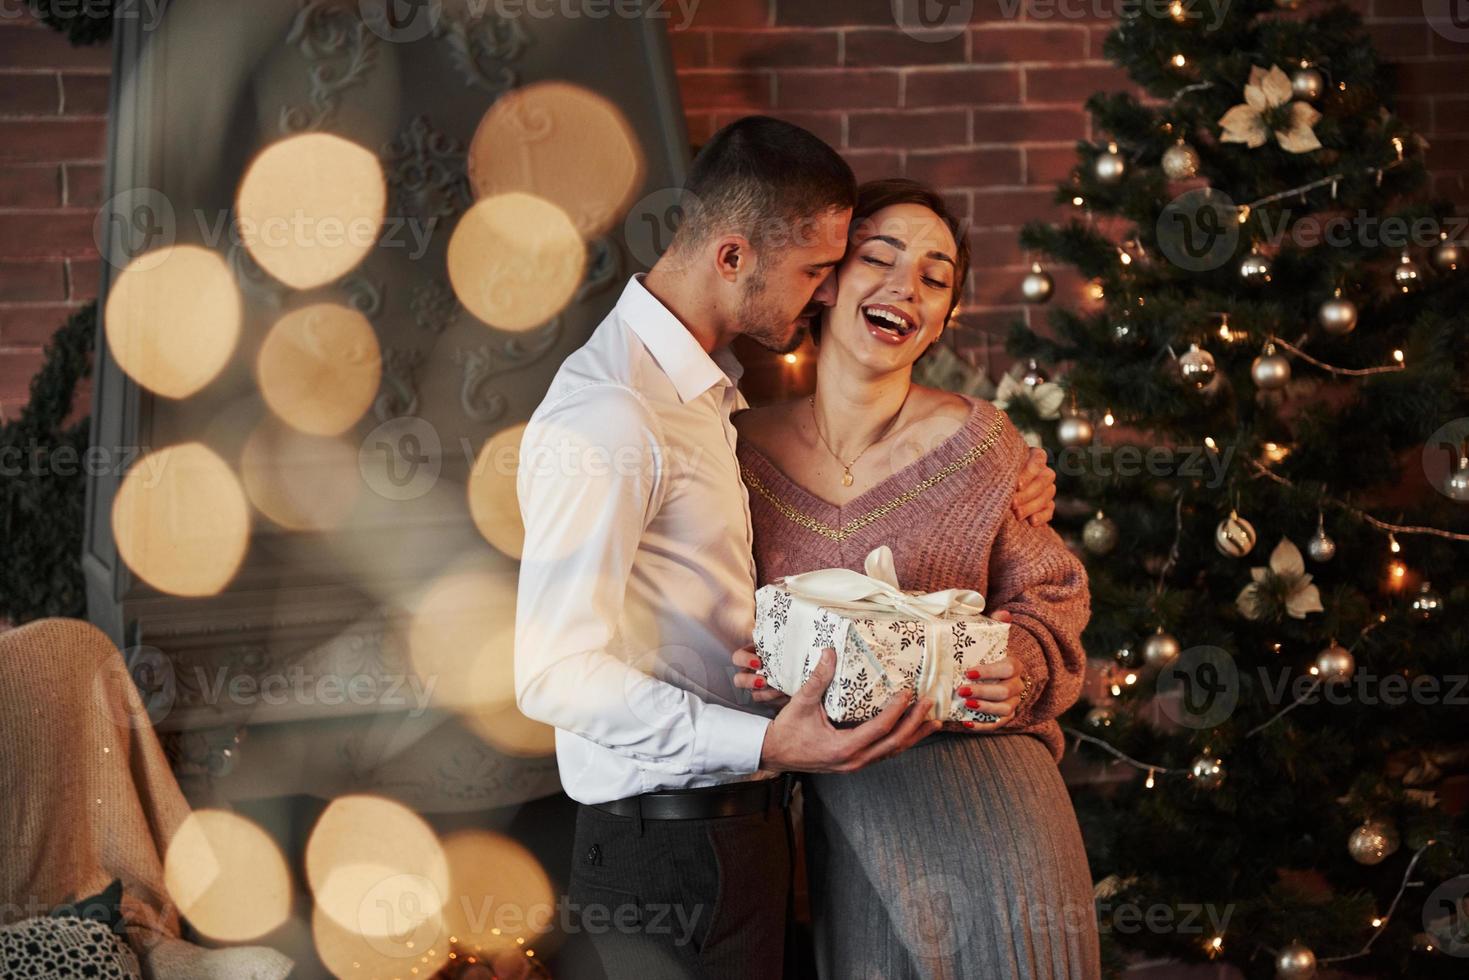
<point>960,858</point>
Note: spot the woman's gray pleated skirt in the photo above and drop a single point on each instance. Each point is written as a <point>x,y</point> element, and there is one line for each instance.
<point>959,859</point>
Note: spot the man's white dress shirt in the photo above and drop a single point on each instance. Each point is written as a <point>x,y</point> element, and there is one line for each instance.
<point>637,580</point>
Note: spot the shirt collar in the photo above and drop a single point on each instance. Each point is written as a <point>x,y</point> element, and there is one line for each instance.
<point>692,370</point>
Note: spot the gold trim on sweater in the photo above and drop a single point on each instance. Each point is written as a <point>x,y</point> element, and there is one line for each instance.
<point>881,510</point>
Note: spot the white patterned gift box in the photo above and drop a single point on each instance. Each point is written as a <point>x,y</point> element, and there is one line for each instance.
<point>886,639</point>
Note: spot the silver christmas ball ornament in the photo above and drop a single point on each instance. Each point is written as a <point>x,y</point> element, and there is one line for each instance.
<point>1447,256</point>
<point>1373,842</point>
<point>1235,536</point>
<point>1321,548</point>
<point>1295,962</point>
<point>1207,772</point>
<point>1307,83</point>
<point>1074,430</point>
<point>1271,370</point>
<point>1196,367</point>
<point>1335,664</point>
<point>1126,656</point>
<point>1160,649</point>
<point>1180,161</point>
<point>1426,605</point>
<point>1406,275</point>
<point>1255,269</point>
<point>1109,166</point>
<point>1099,535</point>
<point>1337,316</point>
<point>1037,286</point>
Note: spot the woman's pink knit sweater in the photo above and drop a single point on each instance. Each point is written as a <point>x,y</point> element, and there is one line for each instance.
<point>952,528</point>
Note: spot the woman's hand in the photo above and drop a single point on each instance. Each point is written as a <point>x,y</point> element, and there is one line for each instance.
<point>993,689</point>
<point>1035,491</point>
<point>746,679</point>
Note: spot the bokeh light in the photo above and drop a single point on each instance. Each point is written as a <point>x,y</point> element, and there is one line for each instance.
<point>310,208</point>
<point>300,481</point>
<point>515,261</point>
<point>173,319</point>
<point>562,143</point>
<point>319,368</point>
<point>501,893</point>
<point>227,876</point>
<point>461,639</point>
<point>419,952</point>
<point>492,498</point>
<point>507,729</point>
<point>181,521</point>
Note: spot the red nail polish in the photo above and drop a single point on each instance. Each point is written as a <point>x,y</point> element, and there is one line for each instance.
<point>969,724</point>
<point>754,663</point>
<point>972,674</point>
<point>971,703</point>
<point>759,682</point>
<point>965,691</point>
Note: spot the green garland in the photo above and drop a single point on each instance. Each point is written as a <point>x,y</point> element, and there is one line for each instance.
<point>44,504</point>
<point>83,21</point>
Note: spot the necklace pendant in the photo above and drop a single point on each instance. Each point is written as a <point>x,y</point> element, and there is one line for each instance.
<point>847,476</point>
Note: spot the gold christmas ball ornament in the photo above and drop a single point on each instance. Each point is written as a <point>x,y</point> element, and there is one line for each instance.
<point>1373,842</point>
<point>1099,535</point>
<point>1160,649</point>
<point>1196,367</point>
<point>1307,83</point>
<point>1295,962</point>
<point>1235,536</point>
<point>1335,664</point>
<point>1180,161</point>
<point>1426,605</point>
<point>1207,772</point>
<point>1109,167</point>
<point>1337,316</point>
<point>1271,370</point>
<point>1074,430</point>
<point>1406,275</point>
<point>1255,269</point>
<point>1446,256</point>
<point>1037,286</point>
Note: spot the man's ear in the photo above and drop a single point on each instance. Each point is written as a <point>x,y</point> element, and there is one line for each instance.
<point>731,256</point>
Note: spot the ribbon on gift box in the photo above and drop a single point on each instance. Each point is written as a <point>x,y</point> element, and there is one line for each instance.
<point>878,591</point>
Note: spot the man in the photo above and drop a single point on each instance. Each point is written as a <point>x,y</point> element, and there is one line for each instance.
<point>637,581</point>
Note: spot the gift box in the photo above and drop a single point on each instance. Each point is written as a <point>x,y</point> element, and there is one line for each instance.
<point>886,639</point>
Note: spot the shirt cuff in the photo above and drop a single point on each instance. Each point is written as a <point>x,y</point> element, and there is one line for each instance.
<point>730,740</point>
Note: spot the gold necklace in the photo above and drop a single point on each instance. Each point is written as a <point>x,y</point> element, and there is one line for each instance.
<point>847,467</point>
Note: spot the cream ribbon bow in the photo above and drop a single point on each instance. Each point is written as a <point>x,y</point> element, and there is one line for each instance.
<point>878,591</point>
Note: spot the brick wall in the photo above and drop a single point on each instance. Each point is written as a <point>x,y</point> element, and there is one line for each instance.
<point>988,115</point>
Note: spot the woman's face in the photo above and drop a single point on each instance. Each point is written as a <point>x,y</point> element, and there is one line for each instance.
<point>894,288</point>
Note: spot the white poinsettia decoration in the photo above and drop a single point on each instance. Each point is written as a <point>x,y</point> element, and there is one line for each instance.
<point>1045,400</point>
<point>1283,587</point>
<point>1267,110</point>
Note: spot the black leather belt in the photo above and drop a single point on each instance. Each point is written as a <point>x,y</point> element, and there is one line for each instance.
<point>726,800</point>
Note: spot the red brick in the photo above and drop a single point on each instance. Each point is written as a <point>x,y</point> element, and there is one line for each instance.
<point>690,48</point>
<point>908,129</point>
<point>982,167</point>
<point>1009,208</point>
<point>725,89</point>
<point>1397,9</point>
<point>960,86</point>
<point>84,185</point>
<point>33,324</point>
<point>775,49</point>
<point>1049,164</point>
<point>1444,43</point>
<point>1430,77</point>
<point>29,94</point>
<point>875,48</point>
<point>733,13</point>
<point>834,13</point>
<point>31,282</point>
<point>1451,185</point>
<point>1447,152</point>
<point>83,276</point>
<point>873,164</point>
<point>959,203</point>
<point>44,140</point>
<point>996,286</point>
<point>37,186</point>
<point>1450,115</point>
<point>994,248</point>
<point>16,370</point>
<point>826,125</point>
<point>1394,41</point>
<point>85,95</point>
<point>41,47</point>
<point>1009,43</point>
<point>1016,124</point>
<point>1072,85</point>
<point>991,326</point>
<point>842,88</point>
<point>46,234</point>
<point>700,126</point>
<point>1058,13</point>
<point>1417,113</point>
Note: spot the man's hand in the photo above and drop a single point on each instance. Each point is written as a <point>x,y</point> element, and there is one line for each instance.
<point>803,739</point>
<point>1035,492</point>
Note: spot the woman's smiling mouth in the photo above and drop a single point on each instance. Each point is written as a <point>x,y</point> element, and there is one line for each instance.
<point>888,323</point>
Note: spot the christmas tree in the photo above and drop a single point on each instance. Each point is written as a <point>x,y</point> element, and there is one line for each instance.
<point>1266,418</point>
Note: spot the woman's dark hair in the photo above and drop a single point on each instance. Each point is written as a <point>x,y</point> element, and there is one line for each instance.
<point>874,195</point>
<point>760,175</point>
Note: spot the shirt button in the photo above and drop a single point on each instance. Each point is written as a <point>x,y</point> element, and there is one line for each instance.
<point>594,855</point>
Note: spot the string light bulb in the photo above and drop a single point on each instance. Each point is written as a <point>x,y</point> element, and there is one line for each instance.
<point>1179,61</point>
<point>791,358</point>
<point>1392,543</point>
<point>1150,781</point>
<point>1108,419</point>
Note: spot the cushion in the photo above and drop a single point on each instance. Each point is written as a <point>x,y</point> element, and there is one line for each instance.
<point>64,946</point>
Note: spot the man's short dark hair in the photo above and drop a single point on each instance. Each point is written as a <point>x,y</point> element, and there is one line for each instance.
<point>760,177</point>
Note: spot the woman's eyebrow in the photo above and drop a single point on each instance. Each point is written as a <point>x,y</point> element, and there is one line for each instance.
<point>902,246</point>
